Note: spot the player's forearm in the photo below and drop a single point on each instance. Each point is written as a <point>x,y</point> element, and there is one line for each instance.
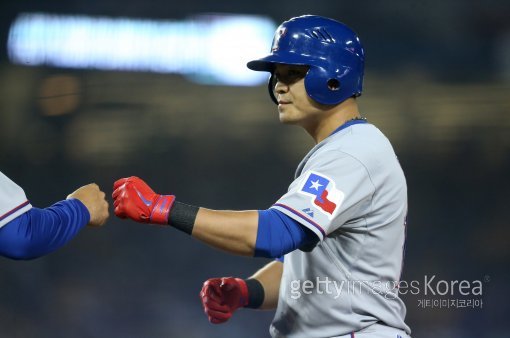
<point>270,277</point>
<point>231,231</point>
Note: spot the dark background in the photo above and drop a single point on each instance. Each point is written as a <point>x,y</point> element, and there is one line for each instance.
<point>437,83</point>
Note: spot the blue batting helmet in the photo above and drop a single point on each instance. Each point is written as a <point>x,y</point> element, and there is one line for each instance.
<point>332,51</point>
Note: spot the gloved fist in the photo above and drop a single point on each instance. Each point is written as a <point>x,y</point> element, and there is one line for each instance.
<point>133,198</point>
<point>222,296</point>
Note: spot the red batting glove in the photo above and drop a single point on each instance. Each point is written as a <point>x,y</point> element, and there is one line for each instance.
<point>133,198</point>
<point>222,296</point>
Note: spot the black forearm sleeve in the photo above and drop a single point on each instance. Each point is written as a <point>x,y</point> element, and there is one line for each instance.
<point>182,217</point>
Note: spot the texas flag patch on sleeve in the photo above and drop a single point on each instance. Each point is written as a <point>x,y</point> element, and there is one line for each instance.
<point>323,193</point>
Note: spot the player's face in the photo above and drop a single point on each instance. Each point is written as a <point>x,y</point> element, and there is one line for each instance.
<point>294,104</point>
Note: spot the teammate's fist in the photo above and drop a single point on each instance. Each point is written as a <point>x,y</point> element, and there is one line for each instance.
<point>133,198</point>
<point>94,199</point>
<point>222,296</point>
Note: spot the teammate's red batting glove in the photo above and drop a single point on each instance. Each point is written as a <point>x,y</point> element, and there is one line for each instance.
<point>222,296</point>
<point>133,198</point>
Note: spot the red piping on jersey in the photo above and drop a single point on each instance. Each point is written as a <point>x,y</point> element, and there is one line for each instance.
<point>352,334</point>
<point>8,213</point>
<point>297,213</point>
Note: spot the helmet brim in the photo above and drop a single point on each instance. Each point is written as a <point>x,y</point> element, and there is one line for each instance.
<point>260,65</point>
<point>266,64</point>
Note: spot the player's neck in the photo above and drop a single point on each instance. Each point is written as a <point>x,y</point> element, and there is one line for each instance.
<point>332,119</point>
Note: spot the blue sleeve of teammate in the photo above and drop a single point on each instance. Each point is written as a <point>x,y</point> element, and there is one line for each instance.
<point>41,231</point>
<point>279,234</point>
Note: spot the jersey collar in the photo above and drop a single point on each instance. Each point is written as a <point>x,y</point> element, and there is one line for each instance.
<point>356,120</point>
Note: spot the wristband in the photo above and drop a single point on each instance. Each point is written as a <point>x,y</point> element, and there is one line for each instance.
<point>182,217</point>
<point>255,293</point>
<point>159,214</point>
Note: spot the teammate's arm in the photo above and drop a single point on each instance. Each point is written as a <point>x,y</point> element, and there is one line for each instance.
<point>94,200</point>
<point>40,231</point>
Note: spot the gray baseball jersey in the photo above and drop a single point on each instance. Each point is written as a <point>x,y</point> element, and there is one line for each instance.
<point>13,201</point>
<point>351,192</point>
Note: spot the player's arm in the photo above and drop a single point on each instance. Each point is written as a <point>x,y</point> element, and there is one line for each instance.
<point>221,297</point>
<point>40,231</point>
<point>263,233</point>
<point>270,277</point>
<point>231,231</point>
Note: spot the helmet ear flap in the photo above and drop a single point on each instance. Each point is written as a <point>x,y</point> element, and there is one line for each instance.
<point>319,85</point>
<point>323,88</point>
<point>328,86</point>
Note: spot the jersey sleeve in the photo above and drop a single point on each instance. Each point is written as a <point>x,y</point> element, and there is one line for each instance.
<point>13,201</point>
<point>333,190</point>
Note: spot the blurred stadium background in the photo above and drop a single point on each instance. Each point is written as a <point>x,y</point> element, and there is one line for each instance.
<point>437,83</point>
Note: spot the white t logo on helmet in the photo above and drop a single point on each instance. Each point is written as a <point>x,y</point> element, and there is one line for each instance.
<point>279,34</point>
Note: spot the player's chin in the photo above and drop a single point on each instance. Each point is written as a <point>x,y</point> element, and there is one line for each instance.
<point>285,117</point>
<point>286,120</point>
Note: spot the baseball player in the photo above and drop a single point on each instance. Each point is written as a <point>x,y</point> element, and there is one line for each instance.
<point>27,232</point>
<point>338,234</point>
